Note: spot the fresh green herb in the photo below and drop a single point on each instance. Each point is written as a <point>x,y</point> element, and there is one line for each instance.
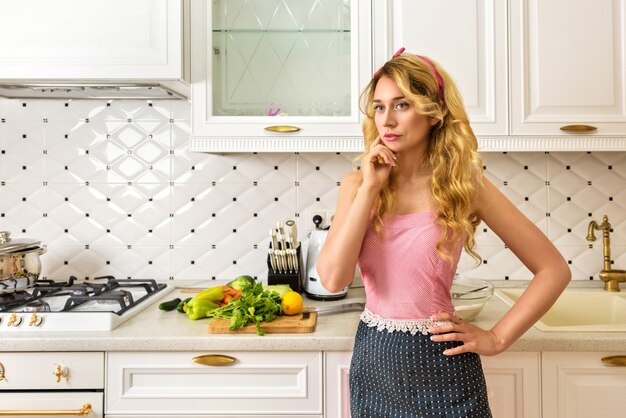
<point>254,306</point>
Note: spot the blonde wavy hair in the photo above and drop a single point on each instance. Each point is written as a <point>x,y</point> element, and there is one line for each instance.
<point>452,152</point>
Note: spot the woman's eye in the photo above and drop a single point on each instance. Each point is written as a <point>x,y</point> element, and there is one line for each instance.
<point>402,105</point>
<point>378,108</point>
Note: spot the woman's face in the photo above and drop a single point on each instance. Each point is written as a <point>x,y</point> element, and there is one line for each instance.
<point>399,125</point>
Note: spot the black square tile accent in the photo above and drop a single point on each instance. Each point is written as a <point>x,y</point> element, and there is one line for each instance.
<point>610,167</point>
<point>275,199</point>
<point>193,262</point>
<point>567,167</point>
<point>317,199</point>
<point>213,247</point>
<point>526,198</point>
<point>255,215</point>
<point>234,199</point>
<point>569,199</point>
<point>275,167</point>
<point>234,167</point>
<point>610,198</point>
<point>149,231</point>
<point>506,277</point>
<point>150,262</point>
<point>192,231</point>
<point>569,261</point>
<point>569,230</point>
<point>525,167</point>
<point>234,230</point>
<point>213,215</point>
<point>234,261</point>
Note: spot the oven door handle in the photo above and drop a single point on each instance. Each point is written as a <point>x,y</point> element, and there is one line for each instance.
<point>82,412</point>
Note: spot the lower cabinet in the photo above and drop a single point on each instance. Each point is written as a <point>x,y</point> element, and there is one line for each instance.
<point>336,384</point>
<point>580,385</point>
<point>513,384</point>
<point>237,384</point>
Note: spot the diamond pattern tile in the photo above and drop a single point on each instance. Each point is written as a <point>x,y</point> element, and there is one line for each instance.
<point>110,188</point>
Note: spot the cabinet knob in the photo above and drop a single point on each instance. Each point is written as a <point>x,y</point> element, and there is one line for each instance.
<point>614,360</point>
<point>282,128</point>
<point>214,360</point>
<point>60,372</point>
<point>578,128</point>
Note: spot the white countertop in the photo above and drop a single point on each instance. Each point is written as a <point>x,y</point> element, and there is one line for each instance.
<point>155,330</point>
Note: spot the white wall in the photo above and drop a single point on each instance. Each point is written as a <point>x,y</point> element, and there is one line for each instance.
<point>111,189</point>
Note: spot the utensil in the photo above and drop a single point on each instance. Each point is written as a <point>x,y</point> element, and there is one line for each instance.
<point>459,294</point>
<point>293,233</point>
<point>346,307</point>
<point>272,259</point>
<point>20,265</point>
<point>274,239</point>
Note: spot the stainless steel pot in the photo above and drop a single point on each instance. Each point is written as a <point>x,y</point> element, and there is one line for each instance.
<point>20,265</point>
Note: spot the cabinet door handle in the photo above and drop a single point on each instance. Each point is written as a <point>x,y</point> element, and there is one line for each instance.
<point>578,128</point>
<point>214,360</point>
<point>82,412</point>
<point>614,360</point>
<point>282,128</point>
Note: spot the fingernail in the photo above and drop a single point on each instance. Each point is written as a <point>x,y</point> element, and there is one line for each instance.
<point>446,353</point>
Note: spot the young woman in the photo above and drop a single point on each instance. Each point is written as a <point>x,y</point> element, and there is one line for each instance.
<point>405,217</point>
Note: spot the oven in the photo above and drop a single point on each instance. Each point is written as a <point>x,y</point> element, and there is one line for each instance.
<point>61,384</point>
<point>65,384</point>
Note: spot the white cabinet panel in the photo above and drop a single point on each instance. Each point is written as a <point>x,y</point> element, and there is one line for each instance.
<point>337,383</point>
<point>91,39</point>
<point>468,38</point>
<point>567,66</point>
<point>37,370</point>
<point>579,385</point>
<point>271,383</point>
<point>513,384</point>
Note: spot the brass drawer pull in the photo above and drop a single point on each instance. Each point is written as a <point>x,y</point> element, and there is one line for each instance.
<point>578,128</point>
<point>82,412</point>
<point>614,360</point>
<point>282,128</point>
<point>214,360</point>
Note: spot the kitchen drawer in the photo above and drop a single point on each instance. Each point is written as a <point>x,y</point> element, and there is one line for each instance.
<point>50,402</point>
<point>38,370</point>
<point>258,383</point>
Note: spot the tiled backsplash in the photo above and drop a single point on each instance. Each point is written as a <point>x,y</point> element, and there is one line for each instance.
<point>110,188</point>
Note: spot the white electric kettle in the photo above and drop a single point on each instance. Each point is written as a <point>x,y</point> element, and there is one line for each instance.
<point>312,284</point>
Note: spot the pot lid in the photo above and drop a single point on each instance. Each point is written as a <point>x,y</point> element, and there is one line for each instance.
<point>9,245</point>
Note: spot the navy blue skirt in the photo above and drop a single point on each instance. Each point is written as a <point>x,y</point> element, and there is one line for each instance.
<point>397,374</point>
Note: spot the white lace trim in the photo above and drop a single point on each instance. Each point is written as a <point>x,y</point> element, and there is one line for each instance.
<point>413,326</point>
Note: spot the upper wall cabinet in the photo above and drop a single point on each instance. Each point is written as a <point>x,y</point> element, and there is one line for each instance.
<point>468,38</point>
<point>568,75</point>
<point>91,39</point>
<point>282,75</point>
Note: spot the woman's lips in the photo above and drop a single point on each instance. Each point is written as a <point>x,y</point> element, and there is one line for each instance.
<point>391,137</point>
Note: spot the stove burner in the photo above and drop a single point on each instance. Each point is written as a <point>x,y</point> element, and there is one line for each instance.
<point>89,293</point>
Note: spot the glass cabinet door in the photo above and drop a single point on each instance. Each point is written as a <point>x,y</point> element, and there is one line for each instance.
<point>279,75</point>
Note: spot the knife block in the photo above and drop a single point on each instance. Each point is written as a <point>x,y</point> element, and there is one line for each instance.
<point>293,279</point>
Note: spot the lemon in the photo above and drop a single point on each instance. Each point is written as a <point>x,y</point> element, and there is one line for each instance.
<point>292,303</point>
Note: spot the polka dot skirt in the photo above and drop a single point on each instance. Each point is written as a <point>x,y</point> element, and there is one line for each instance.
<point>397,374</point>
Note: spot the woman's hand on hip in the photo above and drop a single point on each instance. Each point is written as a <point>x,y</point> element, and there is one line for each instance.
<point>377,165</point>
<point>474,339</point>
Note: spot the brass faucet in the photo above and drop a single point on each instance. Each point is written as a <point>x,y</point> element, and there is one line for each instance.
<point>610,277</point>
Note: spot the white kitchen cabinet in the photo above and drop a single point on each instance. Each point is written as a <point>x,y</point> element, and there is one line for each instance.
<point>257,383</point>
<point>468,38</point>
<point>91,39</point>
<point>336,384</point>
<point>579,385</point>
<point>300,65</point>
<point>513,384</point>
<point>568,68</point>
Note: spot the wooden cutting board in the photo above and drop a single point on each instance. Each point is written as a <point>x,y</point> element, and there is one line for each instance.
<point>286,324</point>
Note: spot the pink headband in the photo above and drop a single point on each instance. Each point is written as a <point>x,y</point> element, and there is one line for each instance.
<point>431,65</point>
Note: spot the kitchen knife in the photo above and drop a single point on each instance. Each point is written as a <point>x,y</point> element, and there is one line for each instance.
<point>272,259</point>
<point>289,260</point>
<point>346,307</point>
<point>294,259</point>
<point>293,233</point>
<point>274,239</point>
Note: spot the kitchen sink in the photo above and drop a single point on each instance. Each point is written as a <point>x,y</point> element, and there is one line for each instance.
<point>579,310</point>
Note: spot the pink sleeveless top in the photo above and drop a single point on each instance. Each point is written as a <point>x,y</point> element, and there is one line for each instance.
<point>404,276</point>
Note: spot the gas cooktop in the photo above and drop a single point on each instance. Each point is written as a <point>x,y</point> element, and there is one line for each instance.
<point>100,304</point>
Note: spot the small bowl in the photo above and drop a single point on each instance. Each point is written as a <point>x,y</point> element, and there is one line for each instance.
<point>469,296</point>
